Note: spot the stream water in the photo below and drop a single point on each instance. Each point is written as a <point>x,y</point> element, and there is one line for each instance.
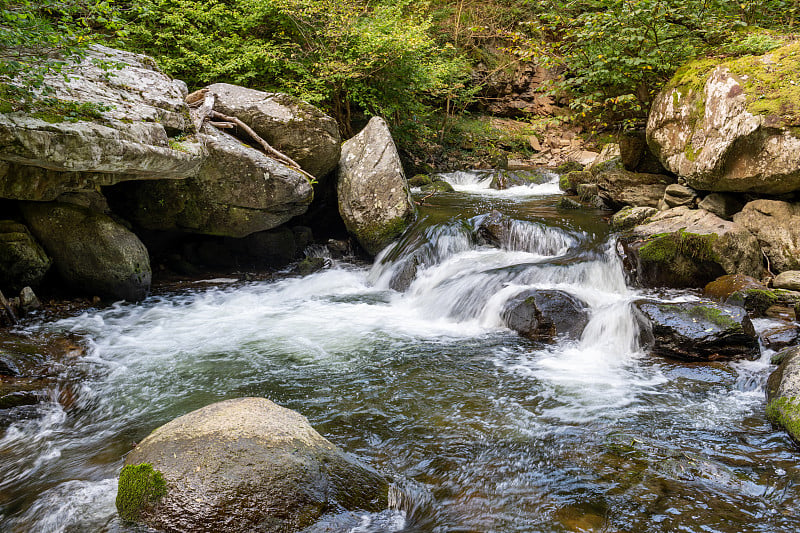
<point>483,430</point>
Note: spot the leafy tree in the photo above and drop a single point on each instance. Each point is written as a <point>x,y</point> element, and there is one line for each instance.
<point>40,37</point>
<point>341,55</point>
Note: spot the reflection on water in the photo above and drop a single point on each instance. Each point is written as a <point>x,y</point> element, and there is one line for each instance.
<point>484,430</point>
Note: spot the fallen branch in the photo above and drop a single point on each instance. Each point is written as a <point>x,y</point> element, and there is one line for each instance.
<point>270,151</point>
<point>8,309</point>
<point>222,125</point>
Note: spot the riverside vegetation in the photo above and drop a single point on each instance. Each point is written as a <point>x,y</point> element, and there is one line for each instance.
<point>149,142</point>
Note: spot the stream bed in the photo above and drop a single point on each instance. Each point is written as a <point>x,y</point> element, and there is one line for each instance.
<point>484,431</point>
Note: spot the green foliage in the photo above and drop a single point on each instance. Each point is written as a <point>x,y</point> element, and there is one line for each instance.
<point>139,486</point>
<point>618,53</point>
<point>342,55</point>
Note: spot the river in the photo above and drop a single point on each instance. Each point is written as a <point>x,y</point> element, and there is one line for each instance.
<point>483,430</point>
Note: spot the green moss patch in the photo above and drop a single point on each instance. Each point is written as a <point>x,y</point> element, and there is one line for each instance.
<point>785,412</point>
<point>667,247</point>
<point>714,315</point>
<point>771,84</point>
<point>139,487</point>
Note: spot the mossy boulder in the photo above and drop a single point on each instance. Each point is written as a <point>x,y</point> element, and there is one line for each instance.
<point>783,393</point>
<point>630,217</point>
<point>505,179</point>
<point>732,125</point>
<point>438,186</point>
<point>374,198</point>
<point>544,315</point>
<point>91,251</point>
<point>23,262</point>
<point>742,291</point>
<point>698,331</point>
<point>684,247</point>
<point>420,180</point>
<point>242,465</point>
<point>569,182</point>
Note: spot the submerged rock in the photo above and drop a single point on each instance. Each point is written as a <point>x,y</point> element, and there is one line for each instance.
<point>684,247</point>
<point>542,315</point>
<point>242,465</point>
<point>374,198</point>
<point>731,125</point>
<point>23,262</point>
<point>783,393</point>
<point>91,251</point>
<point>699,331</point>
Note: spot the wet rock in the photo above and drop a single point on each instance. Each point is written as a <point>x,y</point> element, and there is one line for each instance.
<point>19,399</point>
<point>91,251</point>
<point>310,265</point>
<point>783,393</point>
<point>420,180</point>
<point>237,191</point>
<point>776,225</point>
<point>568,203</point>
<point>685,247</point>
<point>290,125</point>
<point>542,315</point>
<point>339,248</point>
<point>374,198</point>
<point>724,286</point>
<point>676,195</point>
<point>241,465</point>
<point>438,186</point>
<point>731,127</point>
<point>780,336</point>
<point>630,217</point>
<point>28,302</point>
<point>702,331</point>
<point>23,262</point>
<point>570,181</point>
<point>49,156</point>
<point>721,204</point>
<point>505,179</point>
<point>7,366</point>
<point>494,230</point>
<point>405,273</point>
<point>789,280</point>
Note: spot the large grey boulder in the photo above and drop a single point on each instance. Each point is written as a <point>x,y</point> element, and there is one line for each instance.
<point>698,331</point>
<point>374,198</point>
<point>238,191</point>
<point>296,128</point>
<point>684,247</point>
<point>776,225</point>
<point>783,393</point>
<point>619,187</point>
<point>23,262</point>
<point>91,251</point>
<point>731,127</point>
<point>242,465</point>
<point>130,139</point>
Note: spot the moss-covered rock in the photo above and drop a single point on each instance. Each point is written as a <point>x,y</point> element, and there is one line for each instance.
<point>783,393</point>
<point>569,182</point>
<point>438,186</point>
<point>420,180</point>
<point>242,465</point>
<point>685,247</point>
<point>732,125</point>
<point>699,331</point>
<point>630,217</point>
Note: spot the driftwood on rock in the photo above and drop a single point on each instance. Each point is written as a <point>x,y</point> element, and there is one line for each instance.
<point>202,108</point>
